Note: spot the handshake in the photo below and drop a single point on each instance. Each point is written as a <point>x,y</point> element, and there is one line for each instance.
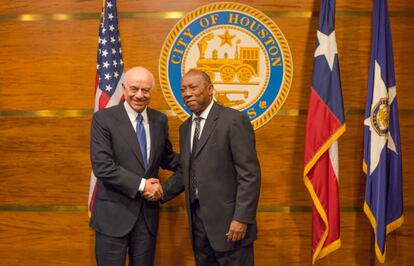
<point>152,190</point>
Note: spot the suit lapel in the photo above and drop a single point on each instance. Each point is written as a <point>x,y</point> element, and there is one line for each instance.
<point>208,128</point>
<point>128,132</point>
<point>154,127</point>
<point>186,138</point>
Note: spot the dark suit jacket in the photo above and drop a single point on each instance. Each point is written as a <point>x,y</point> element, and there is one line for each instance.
<point>117,163</point>
<point>228,175</point>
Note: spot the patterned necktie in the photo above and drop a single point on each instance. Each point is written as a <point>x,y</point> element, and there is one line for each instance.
<point>193,179</point>
<point>142,140</point>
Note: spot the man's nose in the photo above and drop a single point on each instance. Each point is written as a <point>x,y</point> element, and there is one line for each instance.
<point>185,93</point>
<point>139,94</point>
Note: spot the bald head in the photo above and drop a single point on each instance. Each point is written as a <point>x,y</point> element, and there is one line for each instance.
<point>139,72</point>
<point>138,82</point>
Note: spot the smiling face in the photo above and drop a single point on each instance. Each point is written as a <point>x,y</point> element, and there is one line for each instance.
<point>196,91</point>
<point>137,88</point>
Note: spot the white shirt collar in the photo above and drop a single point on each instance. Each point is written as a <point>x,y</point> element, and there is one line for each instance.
<point>205,112</point>
<point>132,114</point>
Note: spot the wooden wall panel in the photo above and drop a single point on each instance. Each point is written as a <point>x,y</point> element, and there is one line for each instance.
<point>45,239</point>
<point>281,158</point>
<point>57,6</point>
<point>69,49</point>
<point>50,64</point>
<point>44,161</point>
<point>284,239</point>
<point>51,155</point>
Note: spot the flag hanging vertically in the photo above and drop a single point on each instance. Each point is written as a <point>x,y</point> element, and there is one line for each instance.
<point>325,124</point>
<point>382,151</point>
<point>109,70</point>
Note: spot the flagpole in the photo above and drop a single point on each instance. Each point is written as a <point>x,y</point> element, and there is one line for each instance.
<point>372,249</point>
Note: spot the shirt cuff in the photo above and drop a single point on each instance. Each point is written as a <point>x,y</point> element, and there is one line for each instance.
<point>142,185</point>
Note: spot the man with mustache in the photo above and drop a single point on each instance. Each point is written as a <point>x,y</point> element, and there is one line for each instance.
<point>220,173</point>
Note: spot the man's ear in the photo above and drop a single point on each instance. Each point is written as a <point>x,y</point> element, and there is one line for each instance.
<point>211,89</point>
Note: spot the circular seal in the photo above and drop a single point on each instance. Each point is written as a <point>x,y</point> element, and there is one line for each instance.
<point>380,117</point>
<point>242,50</point>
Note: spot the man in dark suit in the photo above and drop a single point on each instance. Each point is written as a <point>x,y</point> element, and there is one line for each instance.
<point>129,142</point>
<point>220,174</point>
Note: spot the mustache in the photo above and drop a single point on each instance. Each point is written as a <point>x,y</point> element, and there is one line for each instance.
<point>185,102</point>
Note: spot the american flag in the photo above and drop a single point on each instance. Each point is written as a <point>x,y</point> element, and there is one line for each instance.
<point>325,124</point>
<point>382,150</point>
<point>109,70</point>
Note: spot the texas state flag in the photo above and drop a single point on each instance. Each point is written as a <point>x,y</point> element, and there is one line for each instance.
<point>325,124</point>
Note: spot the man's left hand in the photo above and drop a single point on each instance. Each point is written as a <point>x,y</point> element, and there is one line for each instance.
<point>237,231</point>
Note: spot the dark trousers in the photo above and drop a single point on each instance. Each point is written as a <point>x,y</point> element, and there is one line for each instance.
<point>139,243</point>
<point>204,253</point>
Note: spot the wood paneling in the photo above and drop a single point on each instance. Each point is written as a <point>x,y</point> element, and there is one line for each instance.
<point>50,156</point>
<point>284,239</point>
<point>49,64</point>
<point>55,60</point>
<point>57,6</point>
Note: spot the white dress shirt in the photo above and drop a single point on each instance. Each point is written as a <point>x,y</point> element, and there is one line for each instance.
<point>203,115</point>
<point>132,114</point>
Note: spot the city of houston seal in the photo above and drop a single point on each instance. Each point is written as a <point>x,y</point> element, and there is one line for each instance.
<point>241,49</point>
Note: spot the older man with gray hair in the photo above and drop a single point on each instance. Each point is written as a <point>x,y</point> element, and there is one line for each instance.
<point>129,142</point>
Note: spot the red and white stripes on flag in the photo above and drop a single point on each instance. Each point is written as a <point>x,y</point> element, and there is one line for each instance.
<point>109,71</point>
<point>325,124</point>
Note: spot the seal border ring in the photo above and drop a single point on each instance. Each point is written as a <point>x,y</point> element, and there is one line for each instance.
<point>223,6</point>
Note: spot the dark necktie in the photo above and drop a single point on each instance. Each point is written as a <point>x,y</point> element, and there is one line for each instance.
<point>142,140</point>
<point>193,180</point>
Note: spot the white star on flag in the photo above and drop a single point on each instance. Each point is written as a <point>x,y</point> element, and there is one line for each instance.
<point>377,141</point>
<point>327,47</point>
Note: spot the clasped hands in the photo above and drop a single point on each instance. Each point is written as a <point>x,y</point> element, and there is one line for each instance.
<point>152,190</point>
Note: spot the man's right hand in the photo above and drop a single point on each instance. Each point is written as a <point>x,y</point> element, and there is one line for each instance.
<point>152,190</point>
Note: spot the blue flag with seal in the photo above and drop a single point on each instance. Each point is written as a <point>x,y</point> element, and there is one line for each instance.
<point>382,150</point>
